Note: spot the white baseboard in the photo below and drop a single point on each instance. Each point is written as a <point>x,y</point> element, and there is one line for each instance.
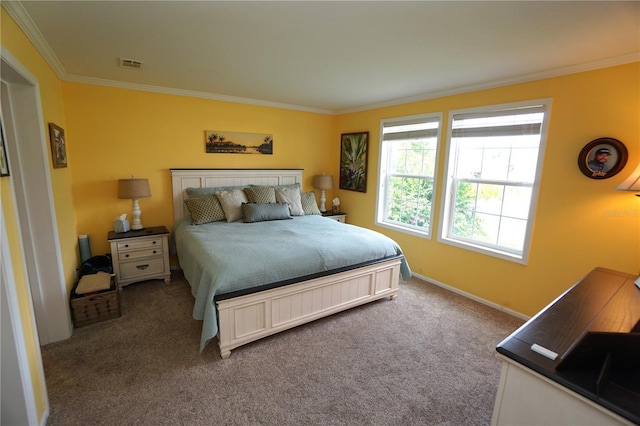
<point>472,297</point>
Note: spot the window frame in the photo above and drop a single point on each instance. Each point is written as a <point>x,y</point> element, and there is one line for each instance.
<point>382,181</point>
<point>447,206</point>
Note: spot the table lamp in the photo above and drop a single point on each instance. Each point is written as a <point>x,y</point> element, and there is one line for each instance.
<point>323,182</point>
<point>134,188</point>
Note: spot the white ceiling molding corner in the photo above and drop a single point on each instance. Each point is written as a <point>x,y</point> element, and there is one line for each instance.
<point>24,21</point>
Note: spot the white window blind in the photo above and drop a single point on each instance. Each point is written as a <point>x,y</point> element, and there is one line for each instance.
<point>407,173</point>
<point>494,158</point>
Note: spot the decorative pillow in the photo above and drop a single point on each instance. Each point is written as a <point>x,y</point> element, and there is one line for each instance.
<point>260,194</point>
<point>205,209</point>
<point>231,202</point>
<point>309,205</point>
<point>291,196</point>
<point>289,185</point>
<point>260,212</point>
<point>203,192</point>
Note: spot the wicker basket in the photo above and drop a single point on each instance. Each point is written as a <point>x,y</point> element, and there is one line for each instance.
<point>95,307</point>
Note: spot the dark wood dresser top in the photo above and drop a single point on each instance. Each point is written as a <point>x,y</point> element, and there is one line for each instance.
<point>603,307</point>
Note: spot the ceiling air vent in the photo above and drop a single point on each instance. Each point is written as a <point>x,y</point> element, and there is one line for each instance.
<point>130,63</point>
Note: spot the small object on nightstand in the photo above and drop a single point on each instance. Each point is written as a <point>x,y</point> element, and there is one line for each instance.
<point>338,216</point>
<point>140,255</point>
<point>121,224</point>
<point>336,205</point>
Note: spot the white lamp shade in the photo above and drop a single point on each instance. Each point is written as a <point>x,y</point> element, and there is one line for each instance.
<point>133,188</point>
<point>632,183</point>
<point>323,182</point>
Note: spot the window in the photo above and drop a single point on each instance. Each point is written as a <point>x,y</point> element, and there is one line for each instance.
<point>408,158</point>
<point>494,158</point>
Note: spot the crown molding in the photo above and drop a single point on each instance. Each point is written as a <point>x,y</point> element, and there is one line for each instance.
<point>190,93</point>
<point>556,72</point>
<point>24,21</point>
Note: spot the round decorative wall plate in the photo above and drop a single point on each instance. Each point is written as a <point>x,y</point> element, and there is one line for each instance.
<point>602,158</point>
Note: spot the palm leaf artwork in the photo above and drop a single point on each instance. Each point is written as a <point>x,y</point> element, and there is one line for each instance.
<point>353,161</point>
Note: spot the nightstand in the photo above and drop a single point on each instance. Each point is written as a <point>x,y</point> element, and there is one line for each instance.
<point>140,255</point>
<point>338,217</point>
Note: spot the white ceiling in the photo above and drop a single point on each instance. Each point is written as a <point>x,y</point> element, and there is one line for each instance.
<point>327,56</point>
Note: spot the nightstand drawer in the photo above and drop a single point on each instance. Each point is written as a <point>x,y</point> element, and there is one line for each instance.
<point>137,254</point>
<point>140,255</point>
<point>141,268</point>
<point>338,217</point>
<point>139,244</point>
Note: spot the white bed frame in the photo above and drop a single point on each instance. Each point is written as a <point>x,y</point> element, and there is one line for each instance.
<point>251,317</point>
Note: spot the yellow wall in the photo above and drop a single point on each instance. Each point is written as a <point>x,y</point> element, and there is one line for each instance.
<point>118,132</point>
<point>112,133</point>
<point>21,48</point>
<point>580,223</point>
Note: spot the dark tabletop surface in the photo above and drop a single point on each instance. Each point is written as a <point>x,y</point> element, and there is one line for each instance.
<point>598,315</point>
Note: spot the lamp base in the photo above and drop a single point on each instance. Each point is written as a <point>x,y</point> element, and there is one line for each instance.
<point>136,224</point>
<point>323,200</point>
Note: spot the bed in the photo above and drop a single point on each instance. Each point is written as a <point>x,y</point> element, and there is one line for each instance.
<point>252,280</point>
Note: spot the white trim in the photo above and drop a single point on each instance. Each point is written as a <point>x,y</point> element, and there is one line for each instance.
<point>191,93</point>
<point>381,193</point>
<point>24,73</point>
<point>542,75</point>
<point>27,151</point>
<point>445,216</point>
<point>18,336</point>
<point>472,297</point>
<point>17,11</point>
<point>24,21</point>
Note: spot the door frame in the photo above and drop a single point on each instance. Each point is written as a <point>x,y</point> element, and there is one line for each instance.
<point>33,195</point>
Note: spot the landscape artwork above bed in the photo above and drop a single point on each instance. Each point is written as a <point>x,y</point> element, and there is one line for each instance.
<point>276,265</point>
<point>219,142</point>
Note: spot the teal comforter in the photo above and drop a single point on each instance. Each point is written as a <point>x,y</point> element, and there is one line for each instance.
<point>221,257</point>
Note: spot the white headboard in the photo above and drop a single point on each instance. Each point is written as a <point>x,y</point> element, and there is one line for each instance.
<point>181,179</point>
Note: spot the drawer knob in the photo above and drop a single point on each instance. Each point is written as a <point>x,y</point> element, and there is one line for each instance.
<point>155,251</point>
<point>126,255</point>
<point>126,245</point>
<point>142,267</point>
<point>154,242</point>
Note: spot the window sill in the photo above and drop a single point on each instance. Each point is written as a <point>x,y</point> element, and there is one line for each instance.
<point>416,233</point>
<point>510,257</point>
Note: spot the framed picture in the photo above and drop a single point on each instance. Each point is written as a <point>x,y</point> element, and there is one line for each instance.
<point>353,161</point>
<point>602,158</point>
<point>218,142</point>
<point>58,146</point>
<point>4,161</point>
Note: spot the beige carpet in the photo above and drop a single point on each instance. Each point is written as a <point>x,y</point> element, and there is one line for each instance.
<point>432,362</point>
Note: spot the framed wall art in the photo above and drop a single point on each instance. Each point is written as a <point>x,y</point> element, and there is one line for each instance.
<point>353,161</point>
<point>58,146</point>
<point>4,161</point>
<point>218,142</point>
<point>602,158</point>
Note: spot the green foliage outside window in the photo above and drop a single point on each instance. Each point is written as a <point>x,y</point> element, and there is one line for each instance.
<point>410,201</point>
